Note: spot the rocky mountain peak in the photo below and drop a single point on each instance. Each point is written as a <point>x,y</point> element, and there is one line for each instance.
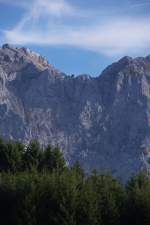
<point>7,46</point>
<point>14,60</point>
<point>129,66</point>
<point>125,60</point>
<point>11,54</point>
<point>35,57</point>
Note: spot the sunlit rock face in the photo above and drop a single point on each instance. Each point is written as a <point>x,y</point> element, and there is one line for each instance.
<point>102,122</point>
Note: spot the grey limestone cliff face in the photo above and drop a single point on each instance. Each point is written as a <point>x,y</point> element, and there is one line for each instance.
<point>102,122</point>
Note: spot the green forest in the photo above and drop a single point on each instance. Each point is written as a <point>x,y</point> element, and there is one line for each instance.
<point>38,188</point>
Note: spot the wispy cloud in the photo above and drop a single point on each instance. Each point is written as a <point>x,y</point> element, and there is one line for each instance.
<point>56,22</point>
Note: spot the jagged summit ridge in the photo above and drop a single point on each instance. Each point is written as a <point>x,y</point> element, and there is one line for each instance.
<point>14,59</point>
<point>11,52</point>
<point>36,58</point>
<point>102,122</point>
<point>129,65</point>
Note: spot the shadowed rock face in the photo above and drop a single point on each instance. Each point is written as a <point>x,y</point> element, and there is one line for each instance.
<point>103,122</point>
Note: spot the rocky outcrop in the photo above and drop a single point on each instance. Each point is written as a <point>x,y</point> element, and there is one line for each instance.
<point>102,122</point>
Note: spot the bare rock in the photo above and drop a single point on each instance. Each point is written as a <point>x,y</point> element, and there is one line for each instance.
<point>102,122</point>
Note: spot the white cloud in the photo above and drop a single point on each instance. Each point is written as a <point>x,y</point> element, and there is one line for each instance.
<point>49,8</point>
<point>45,23</point>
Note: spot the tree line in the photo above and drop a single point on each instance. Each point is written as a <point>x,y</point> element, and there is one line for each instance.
<point>38,188</point>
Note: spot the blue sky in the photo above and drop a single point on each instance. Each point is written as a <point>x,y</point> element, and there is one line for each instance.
<point>78,36</point>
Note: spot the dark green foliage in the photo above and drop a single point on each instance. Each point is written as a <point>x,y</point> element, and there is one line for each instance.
<point>31,156</point>
<point>37,188</point>
<point>52,159</point>
<point>16,157</point>
<point>138,201</point>
<point>10,156</point>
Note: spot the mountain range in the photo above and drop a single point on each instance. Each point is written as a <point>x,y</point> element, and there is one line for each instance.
<point>103,122</point>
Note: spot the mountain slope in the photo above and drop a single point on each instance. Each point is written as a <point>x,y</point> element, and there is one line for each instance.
<point>103,122</point>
